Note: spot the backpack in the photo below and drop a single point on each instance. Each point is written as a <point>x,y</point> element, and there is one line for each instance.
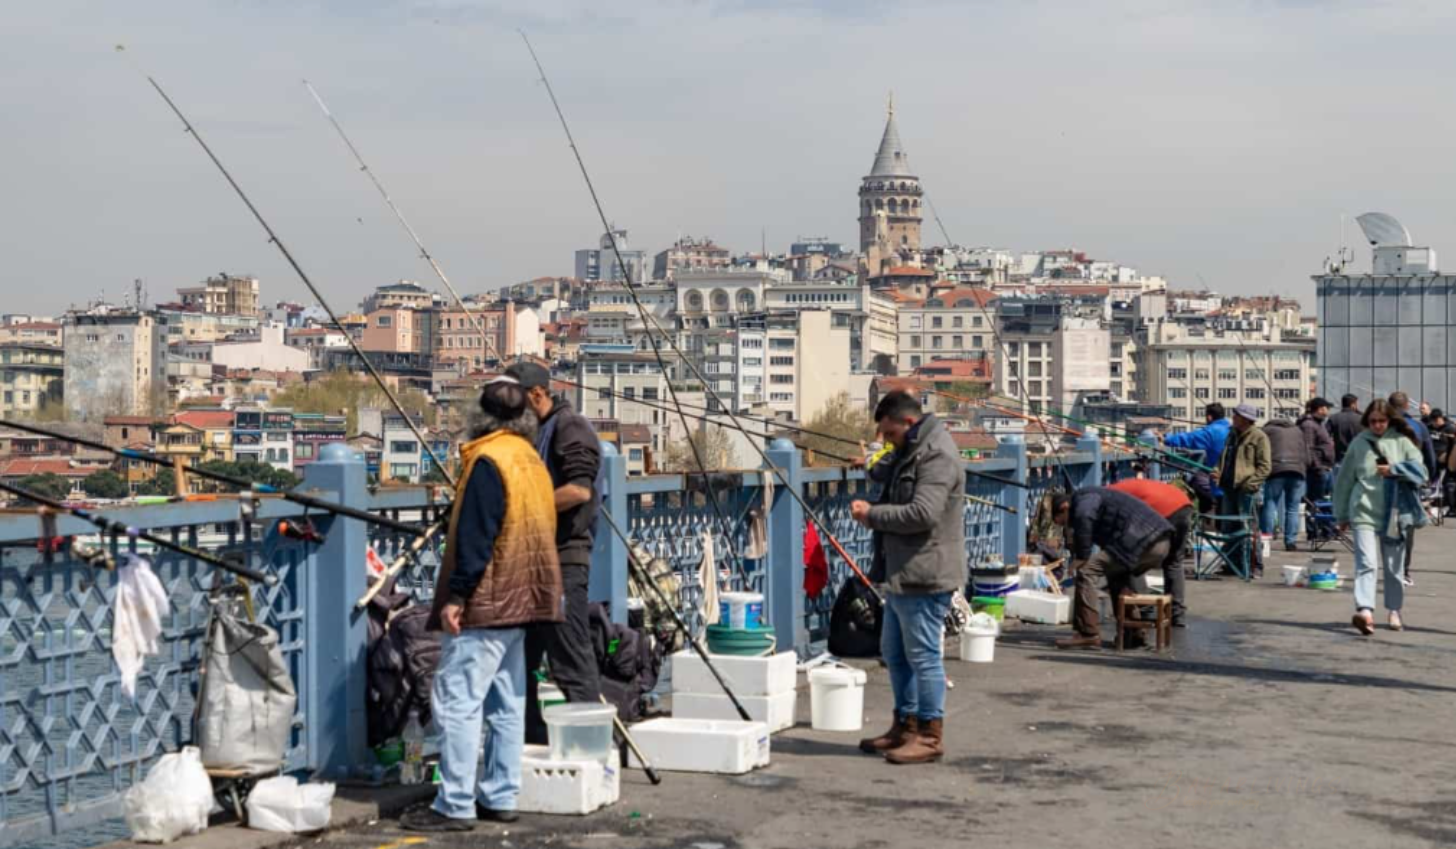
<point>401,662</point>
<point>855,621</point>
<point>628,662</point>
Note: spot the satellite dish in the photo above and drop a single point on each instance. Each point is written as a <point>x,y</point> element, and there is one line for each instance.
<point>1382,229</point>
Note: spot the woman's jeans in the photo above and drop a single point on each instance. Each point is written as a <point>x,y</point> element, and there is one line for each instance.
<point>1372,553</point>
<point>910,642</point>
<point>1282,493</point>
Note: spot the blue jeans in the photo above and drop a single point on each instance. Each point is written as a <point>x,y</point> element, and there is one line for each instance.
<point>481,676</point>
<point>1282,493</point>
<point>1372,553</point>
<point>910,643</point>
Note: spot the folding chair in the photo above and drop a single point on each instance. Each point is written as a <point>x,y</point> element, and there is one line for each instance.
<point>1320,527</point>
<point>1229,544</point>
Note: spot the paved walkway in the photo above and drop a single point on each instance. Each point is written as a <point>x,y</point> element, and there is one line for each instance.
<point>1271,724</point>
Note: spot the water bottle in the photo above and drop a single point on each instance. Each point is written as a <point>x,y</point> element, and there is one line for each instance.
<point>412,768</point>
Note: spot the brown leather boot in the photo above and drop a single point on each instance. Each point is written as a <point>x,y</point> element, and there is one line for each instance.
<point>892,739</point>
<point>922,747</point>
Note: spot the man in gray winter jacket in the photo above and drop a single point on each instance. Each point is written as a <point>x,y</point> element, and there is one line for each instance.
<point>920,560</point>
<point>1284,490</point>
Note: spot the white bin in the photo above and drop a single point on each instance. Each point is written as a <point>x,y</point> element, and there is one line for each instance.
<point>702,745</point>
<point>836,698</point>
<point>978,646</point>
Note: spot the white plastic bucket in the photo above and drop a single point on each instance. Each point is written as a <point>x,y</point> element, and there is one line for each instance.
<point>836,698</point>
<point>978,646</point>
<point>740,610</point>
<point>1293,575</point>
<point>1266,545</point>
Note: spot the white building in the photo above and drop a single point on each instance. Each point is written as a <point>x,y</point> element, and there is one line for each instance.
<point>267,350</point>
<point>1189,366</point>
<point>114,364</point>
<point>871,316</point>
<point>600,263</point>
<point>957,323</point>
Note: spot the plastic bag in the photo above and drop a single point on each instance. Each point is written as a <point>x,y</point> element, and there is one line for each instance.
<point>282,804</point>
<point>983,622</point>
<point>248,699</point>
<point>172,802</point>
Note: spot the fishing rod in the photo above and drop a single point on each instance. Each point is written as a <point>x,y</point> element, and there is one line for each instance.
<point>250,486</point>
<point>303,276</point>
<point>651,323</point>
<point>123,529</point>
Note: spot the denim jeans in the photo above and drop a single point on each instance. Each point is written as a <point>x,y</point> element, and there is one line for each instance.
<point>910,643</point>
<point>1372,553</point>
<point>481,676</point>
<point>1282,493</point>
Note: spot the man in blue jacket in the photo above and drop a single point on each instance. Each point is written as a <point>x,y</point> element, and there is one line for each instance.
<point>1210,440</point>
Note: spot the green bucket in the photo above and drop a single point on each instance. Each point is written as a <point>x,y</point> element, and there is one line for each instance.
<point>993,605</point>
<point>389,753</point>
<point>745,642</point>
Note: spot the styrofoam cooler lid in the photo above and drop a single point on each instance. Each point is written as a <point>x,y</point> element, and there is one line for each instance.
<point>838,676</point>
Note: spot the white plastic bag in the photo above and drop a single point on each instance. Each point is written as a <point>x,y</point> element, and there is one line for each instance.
<point>282,804</point>
<point>983,622</point>
<point>172,802</point>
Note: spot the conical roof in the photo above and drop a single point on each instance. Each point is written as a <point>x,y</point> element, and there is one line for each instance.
<point>891,161</point>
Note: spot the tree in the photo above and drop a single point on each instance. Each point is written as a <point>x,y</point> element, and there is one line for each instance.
<point>104,483</point>
<point>433,475</point>
<point>47,484</point>
<point>250,471</point>
<point>714,444</point>
<point>348,391</point>
<point>962,389</point>
<point>838,420</point>
<point>162,483</point>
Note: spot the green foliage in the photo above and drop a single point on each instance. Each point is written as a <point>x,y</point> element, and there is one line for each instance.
<point>345,392</point>
<point>840,419</point>
<point>49,485</point>
<point>162,483</point>
<point>104,483</point>
<point>250,471</point>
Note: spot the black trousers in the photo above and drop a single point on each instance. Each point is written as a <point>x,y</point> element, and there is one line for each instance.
<point>568,647</point>
<point>1174,583</point>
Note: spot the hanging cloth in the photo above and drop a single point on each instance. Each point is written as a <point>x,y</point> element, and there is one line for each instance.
<point>708,580</point>
<point>816,564</point>
<point>137,611</point>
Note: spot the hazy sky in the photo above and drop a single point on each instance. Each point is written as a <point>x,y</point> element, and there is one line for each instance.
<point>1220,138</point>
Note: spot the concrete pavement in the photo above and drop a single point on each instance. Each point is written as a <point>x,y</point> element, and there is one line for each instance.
<point>1270,724</point>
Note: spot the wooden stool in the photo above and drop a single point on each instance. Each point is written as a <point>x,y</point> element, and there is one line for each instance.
<point>1162,624</point>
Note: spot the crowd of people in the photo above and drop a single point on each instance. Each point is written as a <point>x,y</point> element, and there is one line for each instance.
<point>1376,472</point>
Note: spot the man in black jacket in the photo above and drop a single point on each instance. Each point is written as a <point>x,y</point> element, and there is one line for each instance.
<point>1131,540</point>
<point>573,456</point>
<point>1345,425</point>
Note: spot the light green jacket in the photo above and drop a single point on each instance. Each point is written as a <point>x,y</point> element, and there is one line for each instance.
<point>1359,490</point>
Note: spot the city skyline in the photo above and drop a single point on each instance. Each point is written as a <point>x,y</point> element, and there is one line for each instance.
<point>1230,166</point>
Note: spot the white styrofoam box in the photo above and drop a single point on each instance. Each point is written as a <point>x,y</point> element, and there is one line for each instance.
<point>1035,577</point>
<point>1037,606</point>
<point>747,676</point>
<point>1155,582</point>
<point>702,745</point>
<point>775,711</point>
<point>566,787</point>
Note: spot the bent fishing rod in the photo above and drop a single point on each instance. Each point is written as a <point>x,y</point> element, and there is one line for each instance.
<point>208,474</point>
<point>123,529</point>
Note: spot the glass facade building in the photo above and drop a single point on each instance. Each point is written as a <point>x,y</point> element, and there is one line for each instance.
<point>1379,333</point>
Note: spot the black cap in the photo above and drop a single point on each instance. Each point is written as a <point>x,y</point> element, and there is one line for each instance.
<point>530,375</point>
<point>503,399</point>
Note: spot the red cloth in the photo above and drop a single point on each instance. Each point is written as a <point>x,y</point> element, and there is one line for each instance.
<point>1165,498</point>
<point>816,565</point>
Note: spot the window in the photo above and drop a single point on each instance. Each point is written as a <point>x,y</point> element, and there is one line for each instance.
<point>1200,374</point>
<point>303,451</point>
<point>1228,374</point>
<point>935,341</point>
<point>915,341</point>
<point>1287,394</point>
<point>1033,349</point>
<point>976,321</point>
<point>978,342</point>
<point>1254,374</point>
<point>649,393</point>
<point>782,344</point>
<point>1286,374</point>
<point>1015,369</point>
<point>936,322</point>
<point>1177,374</point>
<point>402,470</point>
<point>634,454</point>
<point>781,397</point>
<point>403,446</point>
<point>781,379</point>
<point>915,361</point>
<point>753,361</point>
<point>915,321</point>
<point>629,392</point>
<point>1228,394</point>
<point>958,321</point>
<point>1202,393</point>
<point>1033,369</point>
<point>1177,392</point>
<point>957,342</point>
<point>383,321</point>
<point>1254,392</point>
<point>780,361</point>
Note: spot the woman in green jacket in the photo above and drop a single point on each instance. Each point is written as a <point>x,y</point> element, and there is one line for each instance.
<point>1385,449</point>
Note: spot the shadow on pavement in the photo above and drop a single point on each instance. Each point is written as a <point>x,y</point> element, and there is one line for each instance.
<point>1230,670</point>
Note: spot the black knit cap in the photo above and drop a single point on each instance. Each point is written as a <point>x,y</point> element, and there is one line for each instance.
<point>503,399</point>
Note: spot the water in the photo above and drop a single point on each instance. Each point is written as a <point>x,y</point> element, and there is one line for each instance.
<point>581,742</point>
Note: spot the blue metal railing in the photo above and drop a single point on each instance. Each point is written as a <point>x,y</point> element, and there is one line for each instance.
<point>71,744</point>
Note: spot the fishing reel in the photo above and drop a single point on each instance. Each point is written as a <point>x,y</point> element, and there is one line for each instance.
<point>301,530</point>
<point>95,556</point>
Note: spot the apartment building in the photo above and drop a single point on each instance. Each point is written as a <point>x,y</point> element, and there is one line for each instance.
<point>406,294</point>
<point>870,315</point>
<point>946,324</point>
<point>689,254</point>
<point>115,364</point>
<point>225,294</point>
<point>1186,366</point>
<point>32,378</point>
<point>1057,349</point>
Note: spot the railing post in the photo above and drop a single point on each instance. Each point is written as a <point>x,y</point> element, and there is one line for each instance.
<point>1153,468</point>
<point>336,725</point>
<point>608,581</point>
<point>1091,444</point>
<point>1013,525</point>
<point>784,576</point>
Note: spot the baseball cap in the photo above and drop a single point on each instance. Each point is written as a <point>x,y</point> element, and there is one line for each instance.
<point>504,398</point>
<point>1247,411</point>
<point>530,375</point>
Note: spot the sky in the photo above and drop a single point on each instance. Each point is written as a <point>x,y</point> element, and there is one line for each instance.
<point>1213,143</point>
